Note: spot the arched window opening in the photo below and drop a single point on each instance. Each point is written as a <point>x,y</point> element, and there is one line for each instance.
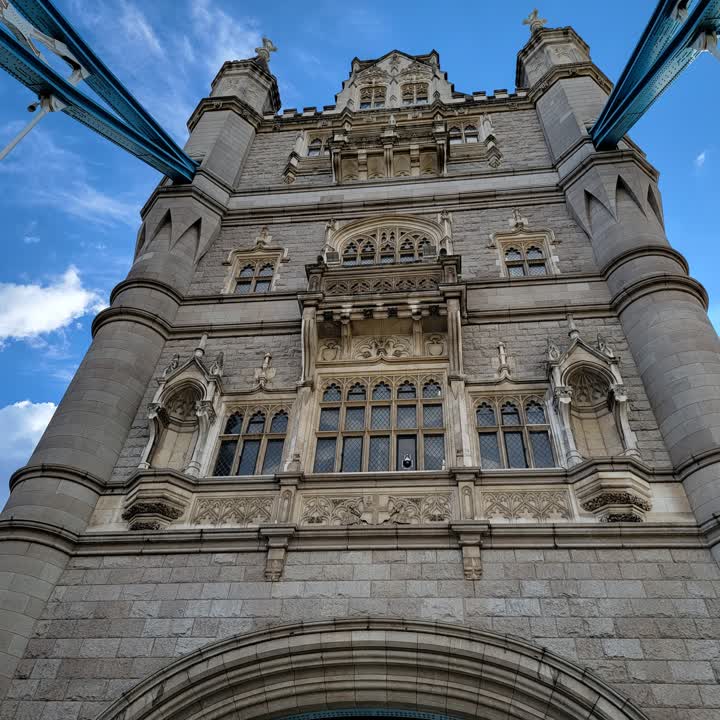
<point>372,96</point>
<point>255,277</point>
<point>520,440</point>
<point>385,431</point>
<point>254,447</point>
<point>528,261</point>
<point>315,148</point>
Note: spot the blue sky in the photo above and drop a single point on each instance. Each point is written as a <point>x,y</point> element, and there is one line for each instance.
<point>70,201</point>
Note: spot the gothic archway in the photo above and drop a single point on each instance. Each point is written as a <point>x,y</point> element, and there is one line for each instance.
<point>367,667</point>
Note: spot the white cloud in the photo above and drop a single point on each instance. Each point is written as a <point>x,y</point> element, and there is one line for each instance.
<point>230,39</point>
<point>29,311</point>
<point>138,29</point>
<point>21,425</point>
<point>700,159</point>
<point>31,239</point>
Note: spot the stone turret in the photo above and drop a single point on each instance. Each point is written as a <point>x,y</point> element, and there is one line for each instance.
<point>54,495</point>
<point>615,199</point>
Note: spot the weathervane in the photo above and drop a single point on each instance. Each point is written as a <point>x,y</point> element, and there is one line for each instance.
<point>534,21</point>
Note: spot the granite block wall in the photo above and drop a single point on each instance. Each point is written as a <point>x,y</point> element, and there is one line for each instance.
<point>644,620</point>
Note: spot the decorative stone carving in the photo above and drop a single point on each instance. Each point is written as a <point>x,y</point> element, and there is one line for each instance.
<point>590,405</point>
<point>615,496</point>
<point>155,502</point>
<point>393,346</point>
<point>264,374</point>
<point>328,510</point>
<point>240,511</point>
<point>182,413</point>
<point>278,539</point>
<point>527,505</point>
<point>371,285</point>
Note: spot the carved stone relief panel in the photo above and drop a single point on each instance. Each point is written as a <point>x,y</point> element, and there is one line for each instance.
<point>376,509</point>
<point>238,510</point>
<point>383,347</point>
<point>526,505</point>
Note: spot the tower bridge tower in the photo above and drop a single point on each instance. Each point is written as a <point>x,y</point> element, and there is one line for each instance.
<point>406,408</point>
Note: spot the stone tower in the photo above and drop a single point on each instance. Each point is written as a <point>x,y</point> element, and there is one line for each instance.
<point>406,408</point>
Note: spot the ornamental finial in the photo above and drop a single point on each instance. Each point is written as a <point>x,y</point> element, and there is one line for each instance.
<point>534,21</point>
<point>264,52</point>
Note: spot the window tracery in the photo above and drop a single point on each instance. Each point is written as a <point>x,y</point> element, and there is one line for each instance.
<point>525,259</point>
<point>252,442</point>
<point>514,433</point>
<point>463,134</point>
<point>387,246</point>
<point>318,147</point>
<point>372,96</point>
<point>255,277</point>
<point>414,93</point>
<point>377,424</point>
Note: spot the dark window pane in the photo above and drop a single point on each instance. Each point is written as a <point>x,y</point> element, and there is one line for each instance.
<point>406,416</point>
<point>256,424</point>
<point>279,423</point>
<point>247,271</point>
<point>381,392</point>
<point>273,455</point>
<point>516,270</point>
<point>515,449</point>
<point>329,418</point>
<point>233,426</point>
<point>407,452</point>
<point>266,270</point>
<point>243,287</point>
<point>226,454</point>
<point>489,451</point>
<point>325,455</point>
<point>387,259</point>
<point>262,286</point>
<point>432,390</point>
<point>331,394</point>
<point>434,451</point>
<point>542,449</point>
<point>379,459</point>
<point>536,269</point>
<point>355,418</point>
<point>407,257</point>
<point>513,254</point>
<point>432,416</point>
<point>352,454</point>
<point>535,413</point>
<point>485,415</point>
<point>510,414</point>
<point>380,418</point>
<point>356,392</point>
<point>248,457</point>
<point>406,391</point>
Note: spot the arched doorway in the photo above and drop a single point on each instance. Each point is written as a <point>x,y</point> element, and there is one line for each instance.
<point>372,668</point>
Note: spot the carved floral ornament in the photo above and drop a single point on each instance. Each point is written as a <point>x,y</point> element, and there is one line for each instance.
<point>386,348</point>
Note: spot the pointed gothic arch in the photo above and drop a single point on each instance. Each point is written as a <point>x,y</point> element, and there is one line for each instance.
<point>383,666</point>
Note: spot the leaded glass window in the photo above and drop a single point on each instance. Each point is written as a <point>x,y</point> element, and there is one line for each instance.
<point>372,96</point>
<point>384,247</point>
<point>521,262</point>
<point>513,433</point>
<point>252,443</point>
<point>380,425</point>
<point>255,277</point>
<point>414,93</point>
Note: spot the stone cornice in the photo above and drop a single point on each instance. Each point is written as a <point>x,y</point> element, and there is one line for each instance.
<point>217,104</point>
<point>376,537</point>
<point>146,283</point>
<point>643,252</point>
<point>563,72</point>
<point>167,189</point>
<point>62,472</point>
<point>129,314</point>
<point>697,462</point>
<point>38,533</point>
<point>659,283</point>
<point>608,157</point>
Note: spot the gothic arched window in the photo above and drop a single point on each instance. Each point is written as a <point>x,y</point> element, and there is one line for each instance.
<point>414,93</point>
<point>254,277</point>
<point>521,439</point>
<point>521,261</point>
<point>315,148</point>
<point>382,429</point>
<point>251,444</point>
<point>372,96</point>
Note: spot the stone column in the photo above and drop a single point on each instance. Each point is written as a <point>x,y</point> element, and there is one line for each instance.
<point>53,497</point>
